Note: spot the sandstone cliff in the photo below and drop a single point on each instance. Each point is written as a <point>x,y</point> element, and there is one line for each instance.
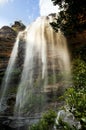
<point>77,44</point>
<point>7,39</point>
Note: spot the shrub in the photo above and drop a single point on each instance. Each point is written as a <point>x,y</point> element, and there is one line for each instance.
<point>47,121</point>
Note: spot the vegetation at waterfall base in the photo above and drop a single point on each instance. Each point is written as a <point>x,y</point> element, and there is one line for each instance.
<point>75,100</point>
<point>72,16</point>
<point>46,122</point>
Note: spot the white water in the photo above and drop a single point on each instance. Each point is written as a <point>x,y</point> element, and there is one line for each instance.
<point>46,58</point>
<point>43,45</point>
<point>35,48</point>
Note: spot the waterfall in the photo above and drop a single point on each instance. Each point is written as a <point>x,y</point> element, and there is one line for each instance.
<point>35,58</point>
<point>45,69</point>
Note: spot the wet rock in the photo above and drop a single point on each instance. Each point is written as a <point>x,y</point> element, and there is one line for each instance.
<point>69,118</point>
<point>7,39</point>
<point>8,106</point>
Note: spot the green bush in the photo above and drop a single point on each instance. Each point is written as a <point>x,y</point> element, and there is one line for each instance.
<point>47,121</point>
<point>79,73</point>
<point>75,100</point>
<point>64,126</point>
<point>75,97</point>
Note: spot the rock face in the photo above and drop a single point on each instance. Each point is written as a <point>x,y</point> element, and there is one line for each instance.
<point>7,39</point>
<point>18,26</point>
<point>77,45</point>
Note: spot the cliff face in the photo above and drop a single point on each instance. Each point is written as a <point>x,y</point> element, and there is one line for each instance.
<point>7,39</point>
<point>77,45</point>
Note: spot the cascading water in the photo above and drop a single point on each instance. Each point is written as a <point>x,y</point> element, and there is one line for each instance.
<point>45,69</point>
<point>46,57</point>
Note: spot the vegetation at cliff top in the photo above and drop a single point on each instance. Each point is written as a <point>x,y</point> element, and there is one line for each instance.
<point>72,16</point>
<point>18,26</point>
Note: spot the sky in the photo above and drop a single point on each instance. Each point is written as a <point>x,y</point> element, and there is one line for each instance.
<point>25,10</point>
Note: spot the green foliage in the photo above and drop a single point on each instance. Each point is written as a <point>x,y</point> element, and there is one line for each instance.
<point>79,73</point>
<point>47,121</point>
<point>18,26</point>
<point>72,16</point>
<point>75,97</point>
<point>49,117</point>
<point>76,100</point>
<point>64,126</point>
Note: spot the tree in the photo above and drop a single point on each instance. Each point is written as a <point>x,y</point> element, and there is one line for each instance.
<point>72,16</point>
